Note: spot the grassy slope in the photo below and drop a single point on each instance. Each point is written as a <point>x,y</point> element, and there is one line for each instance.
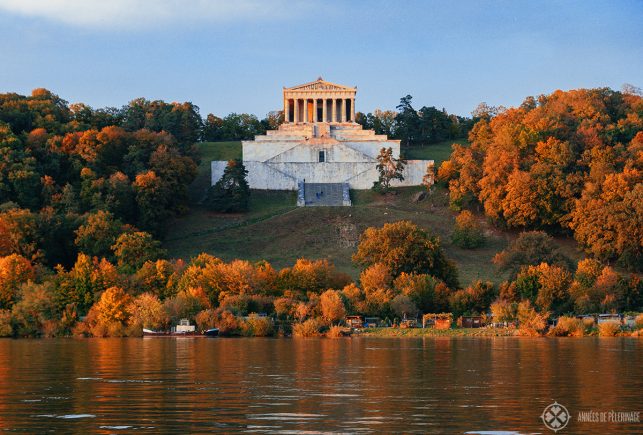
<point>438,152</point>
<point>276,230</point>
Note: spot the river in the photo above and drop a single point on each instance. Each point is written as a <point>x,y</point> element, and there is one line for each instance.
<point>289,386</point>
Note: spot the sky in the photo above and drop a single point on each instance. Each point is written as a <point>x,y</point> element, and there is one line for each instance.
<point>236,55</point>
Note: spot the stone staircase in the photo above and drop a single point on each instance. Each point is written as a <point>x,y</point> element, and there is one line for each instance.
<point>323,194</point>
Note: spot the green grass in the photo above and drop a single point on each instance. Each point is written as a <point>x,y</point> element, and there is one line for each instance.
<point>277,231</point>
<point>438,152</point>
<point>219,151</point>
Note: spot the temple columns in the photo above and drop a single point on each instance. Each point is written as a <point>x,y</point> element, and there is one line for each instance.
<point>333,110</point>
<point>286,109</point>
<point>352,109</point>
<point>296,101</point>
<point>324,104</point>
<point>305,109</point>
<point>315,110</point>
<point>343,119</point>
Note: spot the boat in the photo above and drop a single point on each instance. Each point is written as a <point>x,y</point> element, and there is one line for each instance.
<point>153,333</point>
<point>212,332</point>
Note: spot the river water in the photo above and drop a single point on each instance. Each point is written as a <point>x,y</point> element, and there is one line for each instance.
<point>290,386</point>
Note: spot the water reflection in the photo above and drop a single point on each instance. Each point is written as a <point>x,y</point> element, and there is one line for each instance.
<point>431,385</point>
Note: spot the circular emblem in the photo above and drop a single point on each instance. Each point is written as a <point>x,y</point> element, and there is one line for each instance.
<point>555,416</point>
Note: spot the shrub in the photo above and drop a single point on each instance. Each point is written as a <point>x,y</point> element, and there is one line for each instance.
<point>259,326</point>
<point>309,328</point>
<point>532,323</point>
<point>228,324</point>
<point>568,327</point>
<point>467,233</point>
<point>588,323</point>
<point>335,332</point>
<point>609,329</point>
<point>639,321</point>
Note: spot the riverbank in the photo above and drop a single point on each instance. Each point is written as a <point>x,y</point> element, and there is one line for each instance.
<point>472,332</point>
<point>432,332</point>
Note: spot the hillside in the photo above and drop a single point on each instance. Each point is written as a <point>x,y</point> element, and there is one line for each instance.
<point>277,231</point>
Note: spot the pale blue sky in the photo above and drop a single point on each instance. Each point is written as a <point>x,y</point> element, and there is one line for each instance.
<point>235,56</point>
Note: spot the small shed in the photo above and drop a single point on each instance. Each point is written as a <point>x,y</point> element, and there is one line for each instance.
<point>472,321</point>
<point>437,321</point>
<point>354,321</point>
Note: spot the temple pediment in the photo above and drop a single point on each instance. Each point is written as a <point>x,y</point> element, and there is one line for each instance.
<point>320,85</point>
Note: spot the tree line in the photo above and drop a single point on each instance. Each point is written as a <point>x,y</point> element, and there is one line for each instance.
<point>404,272</point>
<point>414,127</point>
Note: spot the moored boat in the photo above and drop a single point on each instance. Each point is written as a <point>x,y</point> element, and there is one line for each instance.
<point>212,332</point>
<point>153,333</point>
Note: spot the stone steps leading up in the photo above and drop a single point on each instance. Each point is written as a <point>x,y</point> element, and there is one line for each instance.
<point>325,194</point>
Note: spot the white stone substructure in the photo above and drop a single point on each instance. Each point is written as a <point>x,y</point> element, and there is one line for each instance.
<point>319,142</point>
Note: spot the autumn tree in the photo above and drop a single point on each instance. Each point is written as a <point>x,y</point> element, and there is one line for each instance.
<point>132,250</point>
<point>568,160</point>
<point>332,306</point>
<point>420,288</point>
<point>109,315</point>
<point>87,279</point>
<point>545,285</point>
<point>608,220</point>
<point>97,235</point>
<point>389,169</point>
<point>35,313</point>
<point>531,322</point>
<point>147,311</point>
<point>15,270</point>
<point>404,247</point>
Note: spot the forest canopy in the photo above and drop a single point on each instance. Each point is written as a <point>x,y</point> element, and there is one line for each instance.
<point>565,162</point>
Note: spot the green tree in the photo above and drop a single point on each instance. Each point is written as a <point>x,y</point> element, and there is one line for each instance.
<point>97,235</point>
<point>467,233</point>
<point>231,193</point>
<point>530,249</point>
<point>132,250</point>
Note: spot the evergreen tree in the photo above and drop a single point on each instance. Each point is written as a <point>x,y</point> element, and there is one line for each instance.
<point>231,193</point>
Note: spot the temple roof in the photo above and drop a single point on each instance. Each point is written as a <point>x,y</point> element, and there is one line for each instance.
<point>321,85</point>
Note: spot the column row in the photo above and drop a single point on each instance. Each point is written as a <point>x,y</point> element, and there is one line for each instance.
<point>319,110</point>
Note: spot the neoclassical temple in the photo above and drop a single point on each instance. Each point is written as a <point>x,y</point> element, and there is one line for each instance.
<point>319,150</point>
<point>319,101</point>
